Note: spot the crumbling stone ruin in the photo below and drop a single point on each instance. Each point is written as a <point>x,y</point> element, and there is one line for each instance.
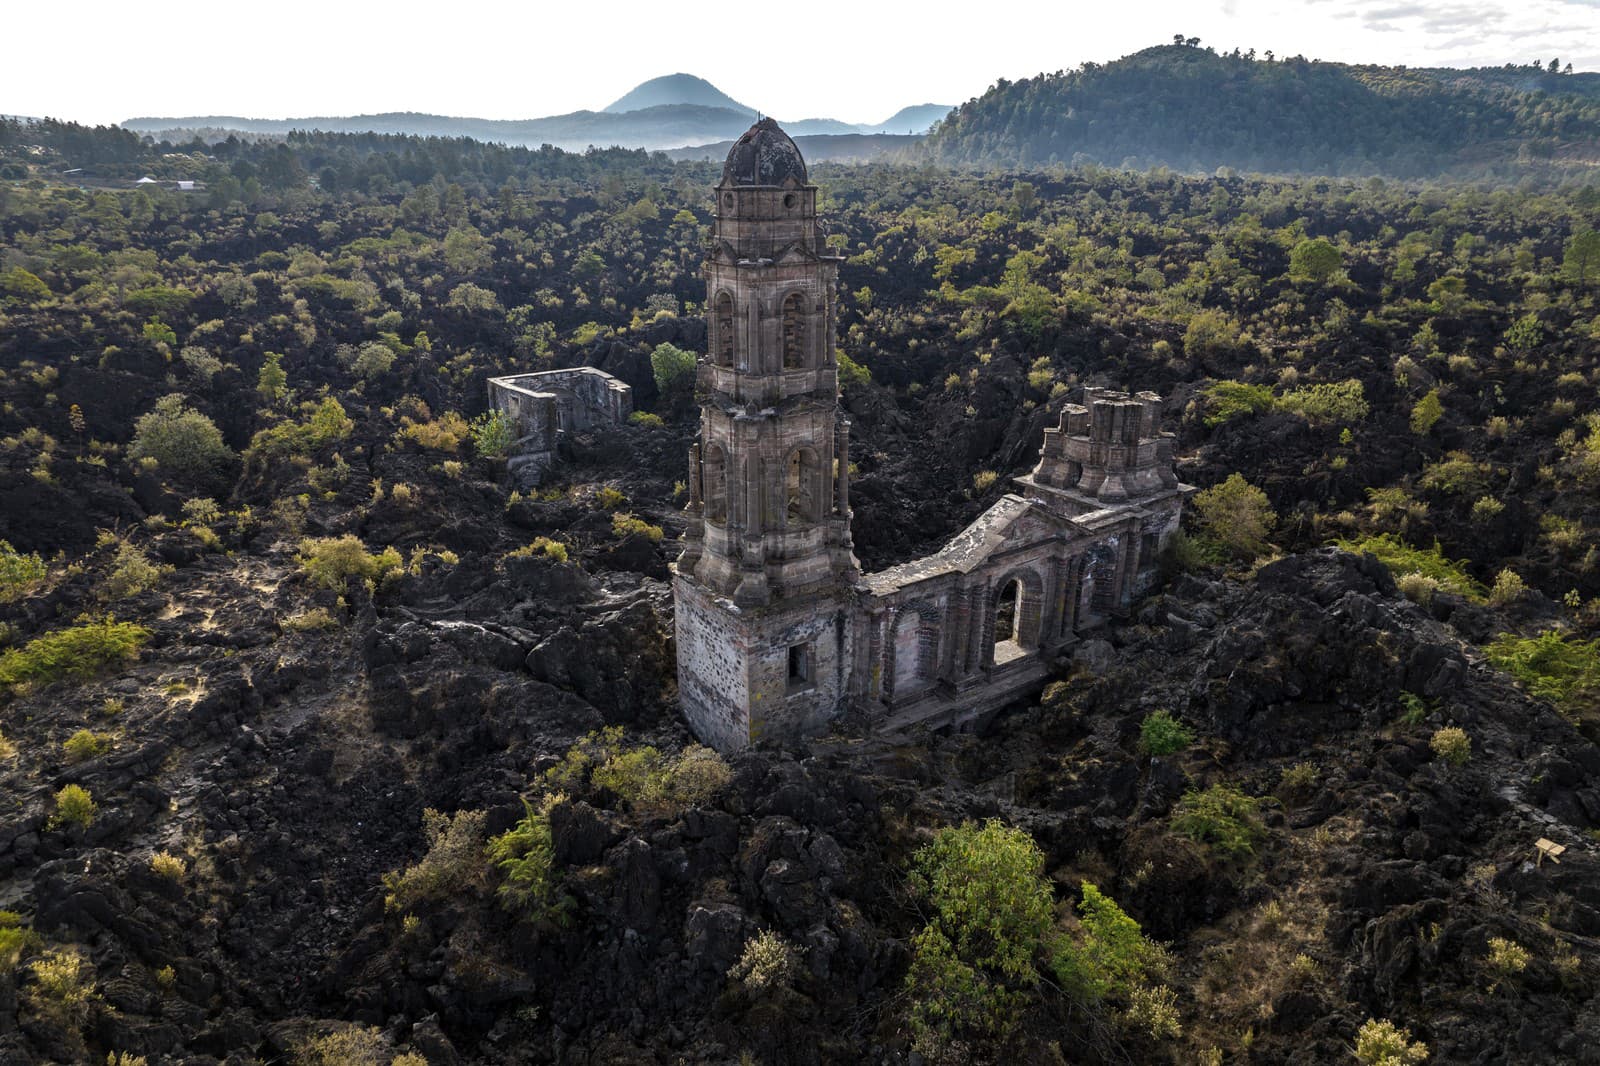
<point>778,632</point>
<point>544,406</point>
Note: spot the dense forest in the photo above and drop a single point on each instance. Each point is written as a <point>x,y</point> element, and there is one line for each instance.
<point>320,745</point>
<point>1188,107</point>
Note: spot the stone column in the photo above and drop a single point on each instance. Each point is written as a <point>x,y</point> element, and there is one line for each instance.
<point>841,450</point>
<point>696,474</point>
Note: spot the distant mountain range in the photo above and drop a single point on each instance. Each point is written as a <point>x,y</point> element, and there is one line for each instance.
<point>674,111</point>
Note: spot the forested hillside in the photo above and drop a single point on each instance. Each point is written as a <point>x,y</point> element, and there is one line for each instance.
<point>1189,107</point>
<point>319,745</point>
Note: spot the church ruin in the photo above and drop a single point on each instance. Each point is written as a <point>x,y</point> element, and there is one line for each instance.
<point>542,407</point>
<point>778,631</point>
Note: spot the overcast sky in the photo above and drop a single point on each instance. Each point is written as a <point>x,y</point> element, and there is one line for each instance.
<point>98,61</point>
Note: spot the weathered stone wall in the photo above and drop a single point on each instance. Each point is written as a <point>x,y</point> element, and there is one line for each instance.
<point>543,405</point>
<point>713,681</point>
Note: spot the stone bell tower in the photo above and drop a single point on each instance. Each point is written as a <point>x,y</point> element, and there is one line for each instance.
<point>767,571</point>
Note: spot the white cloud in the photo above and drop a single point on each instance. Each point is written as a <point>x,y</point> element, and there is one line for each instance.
<point>106,60</point>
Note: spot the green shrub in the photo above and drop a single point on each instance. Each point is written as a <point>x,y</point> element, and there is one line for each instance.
<point>1111,957</point>
<point>314,620</point>
<point>1452,745</point>
<point>15,941</point>
<point>355,1045</point>
<point>984,480</point>
<point>74,806</point>
<point>1414,709</point>
<point>1506,959</point>
<point>628,525</point>
<point>550,549</point>
<point>670,364</point>
<point>1227,400</point>
<point>169,866</point>
<point>645,420</point>
<point>326,424</point>
<point>990,916</point>
<point>1237,515</point>
<point>180,439</point>
<point>525,856</point>
<point>454,860</point>
<point>1221,817</point>
<point>768,964</point>
<point>332,561</point>
<point>492,434</point>
<point>1382,1043</point>
<point>1297,778</point>
<point>132,572</point>
<point>1162,734</point>
<point>19,574</point>
<point>1344,401</point>
<point>1402,559</point>
<point>63,986</point>
<point>642,777</point>
<point>86,744</point>
<point>1561,669</point>
<point>610,498</point>
<point>81,652</point>
<point>1426,414</point>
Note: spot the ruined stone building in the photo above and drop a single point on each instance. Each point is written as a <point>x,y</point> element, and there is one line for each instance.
<point>778,631</point>
<point>544,406</point>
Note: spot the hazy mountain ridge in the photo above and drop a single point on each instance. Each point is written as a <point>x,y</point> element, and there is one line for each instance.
<point>1193,108</point>
<point>672,111</point>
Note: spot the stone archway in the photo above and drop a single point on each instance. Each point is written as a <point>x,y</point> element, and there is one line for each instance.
<point>1016,611</point>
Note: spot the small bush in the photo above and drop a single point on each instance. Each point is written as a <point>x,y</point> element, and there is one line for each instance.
<point>767,964</point>
<point>1344,401</point>
<point>492,434</point>
<point>984,480</point>
<point>86,744</point>
<point>1382,1043</point>
<point>1426,413</point>
<point>63,986</point>
<point>1402,559</point>
<point>8,750</point>
<point>1162,734</point>
<point>202,510</point>
<point>670,364</point>
<point>452,862</point>
<point>1237,515</point>
<point>80,653</point>
<point>1297,778</point>
<point>525,855</point>
<point>19,574</point>
<point>550,549</point>
<point>1221,817</point>
<point>180,439</point>
<point>1563,670</point>
<point>352,1046</point>
<point>645,420</point>
<point>610,498</point>
<point>132,572</point>
<point>1227,400</point>
<point>1508,588</point>
<point>317,618</point>
<point>74,806</point>
<point>167,865</point>
<point>1153,1010</point>
<point>442,434</point>
<point>628,525</point>
<point>332,561</point>
<point>1452,745</point>
<point>15,941</point>
<point>1506,959</point>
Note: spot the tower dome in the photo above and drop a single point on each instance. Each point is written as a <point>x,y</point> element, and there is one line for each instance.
<point>763,156</point>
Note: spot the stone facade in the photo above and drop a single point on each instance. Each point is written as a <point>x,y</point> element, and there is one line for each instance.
<point>545,405</point>
<point>778,632</point>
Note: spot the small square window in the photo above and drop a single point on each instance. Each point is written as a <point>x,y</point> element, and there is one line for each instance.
<point>800,666</point>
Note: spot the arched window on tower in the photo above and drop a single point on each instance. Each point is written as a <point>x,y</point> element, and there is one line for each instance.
<point>722,331</point>
<point>715,467</point>
<point>794,332</point>
<point>800,488</point>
